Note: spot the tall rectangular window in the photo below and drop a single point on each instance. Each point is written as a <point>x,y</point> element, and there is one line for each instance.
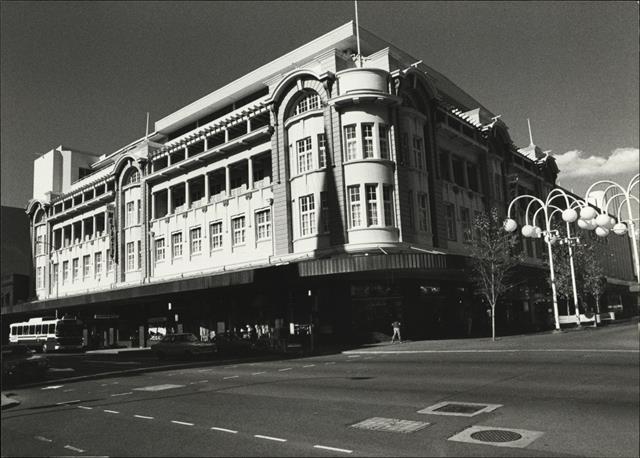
<point>97,265</point>
<point>109,261</point>
<point>372,204</point>
<point>176,245</point>
<point>129,214</point>
<point>237,225</point>
<point>131,257</point>
<point>355,217</point>
<point>322,150</point>
<point>304,154</point>
<point>497,184</point>
<point>411,207</point>
<point>384,141</point>
<point>55,279</point>
<point>39,245</point>
<point>472,176</point>
<point>417,152</point>
<point>367,140</point>
<point>351,142</point>
<point>263,225</point>
<point>465,221</point>
<point>307,215</point>
<point>39,278</point>
<point>215,235</point>
<point>450,215</point>
<point>424,212</point>
<point>324,212</point>
<point>195,239</point>
<point>387,199</point>
<point>75,263</point>
<point>86,266</point>
<point>458,171</point>
<point>445,171</point>
<point>65,271</point>
<point>139,255</point>
<point>159,249</point>
<point>138,218</point>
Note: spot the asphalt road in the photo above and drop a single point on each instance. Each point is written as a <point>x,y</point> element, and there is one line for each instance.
<point>570,394</point>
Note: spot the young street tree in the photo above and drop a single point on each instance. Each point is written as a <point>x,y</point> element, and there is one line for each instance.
<point>492,259</point>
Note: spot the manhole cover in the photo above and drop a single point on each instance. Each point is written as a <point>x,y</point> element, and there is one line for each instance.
<point>496,435</point>
<point>459,408</point>
<point>393,425</point>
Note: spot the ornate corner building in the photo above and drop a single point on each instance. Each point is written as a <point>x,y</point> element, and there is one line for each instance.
<point>312,190</point>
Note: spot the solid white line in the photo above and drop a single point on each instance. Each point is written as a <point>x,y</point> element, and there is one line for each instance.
<point>111,411</point>
<point>69,447</point>
<point>68,402</point>
<point>258,373</point>
<point>85,407</point>
<point>277,439</point>
<point>224,430</point>
<point>543,350</point>
<point>181,423</point>
<point>232,376</point>
<point>353,356</point>
<point>285,369</point>
<point>333,449</point>
<point>142,416</point>
<point>309,365</point>
<point>122,394</point>
<point>43,439</point>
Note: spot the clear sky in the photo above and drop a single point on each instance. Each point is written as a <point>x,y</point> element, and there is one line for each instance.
<point>84,74</point>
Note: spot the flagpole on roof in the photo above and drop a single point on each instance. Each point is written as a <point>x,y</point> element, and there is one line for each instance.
<point>146,135</point>
<point>530,134</point>
<point>359,56</point>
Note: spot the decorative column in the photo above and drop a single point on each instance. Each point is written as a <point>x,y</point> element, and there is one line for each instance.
<point>186,151</point>
<point>153,205</point>
<point>206,187</point>
<point>187,195</point>
<point>169,201</point>
<point>250,173</point>
<point>227,181</point>
<point>93,220</point>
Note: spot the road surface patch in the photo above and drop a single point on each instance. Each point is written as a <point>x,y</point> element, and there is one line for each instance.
<point>394,425</point>
<point>459,409</point>
<point>166,386</point>
<point>333,449</point>
<point>497,436</point>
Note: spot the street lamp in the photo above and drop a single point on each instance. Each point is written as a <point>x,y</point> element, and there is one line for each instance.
<point>569,215</point>
<point>603,223</point>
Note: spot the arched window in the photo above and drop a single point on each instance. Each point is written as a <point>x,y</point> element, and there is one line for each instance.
<point>132,177</point>
<point>309,101</point>
<point>39,216</point>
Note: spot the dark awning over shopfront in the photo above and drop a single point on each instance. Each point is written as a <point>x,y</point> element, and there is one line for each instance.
<point>349,264</point>
<point>139,292</point>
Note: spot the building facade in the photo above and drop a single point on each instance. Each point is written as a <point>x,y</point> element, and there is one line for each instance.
<point>318,189</point>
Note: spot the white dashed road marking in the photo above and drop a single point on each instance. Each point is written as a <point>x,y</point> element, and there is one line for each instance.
<point>166,386</point>
<point>285,369</point>
<point>69,447</point>
<point>144,417</point>
<point>85,407</point>
<point>258,373</point>
<point>333,449</point>
<point>181,423</point>
<point>43,439</point>
<point>224,430</point>
<point>231,376</point>
<point>309,365</point>
<point>270,438</point>
<point>52,387</point>
<point>122,394</point>
<point>111,411</point>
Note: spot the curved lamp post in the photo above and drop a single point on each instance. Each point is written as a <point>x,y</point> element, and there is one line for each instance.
<point>569,215</point>
<point>603,223</point>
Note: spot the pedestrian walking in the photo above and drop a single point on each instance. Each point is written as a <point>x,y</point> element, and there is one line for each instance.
<point>396,331</point>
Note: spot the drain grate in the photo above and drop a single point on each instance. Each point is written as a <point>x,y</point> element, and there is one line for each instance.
<point>393,425</point>
<point>496,435</point>
<point>462,409</point>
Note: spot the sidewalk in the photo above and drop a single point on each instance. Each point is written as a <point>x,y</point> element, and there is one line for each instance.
<point>8,402</point>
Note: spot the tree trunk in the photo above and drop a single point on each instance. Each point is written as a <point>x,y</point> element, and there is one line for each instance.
<point>493,322</point>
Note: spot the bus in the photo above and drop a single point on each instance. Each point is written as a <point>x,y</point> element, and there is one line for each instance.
<point>48,334</point>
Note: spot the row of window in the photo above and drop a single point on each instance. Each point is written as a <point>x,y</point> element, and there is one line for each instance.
<point>366,142</point>
<point>132,213</point>
<point>92,267</point>
<point>376,212</point>
<point>304,153</point>
<point>459,171</point>
<point>238,236</point>
<point>468,230</point>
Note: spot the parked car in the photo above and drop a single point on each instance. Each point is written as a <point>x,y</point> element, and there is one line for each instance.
<point>19,361</point>
<point>183,345</point>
